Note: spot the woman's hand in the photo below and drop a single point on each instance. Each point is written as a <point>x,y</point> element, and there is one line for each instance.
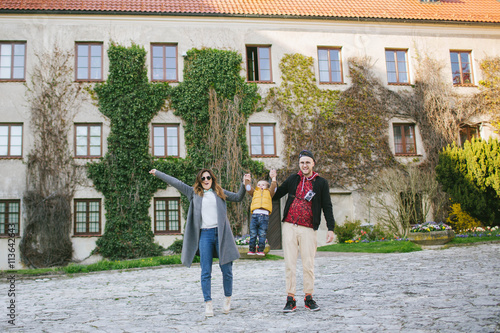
<point>153,172</point>
<point>247,178</point>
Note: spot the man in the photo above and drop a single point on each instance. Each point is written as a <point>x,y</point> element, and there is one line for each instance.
<point>308,194</point>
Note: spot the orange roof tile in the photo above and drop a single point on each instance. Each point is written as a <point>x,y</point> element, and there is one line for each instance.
<point>487,11</point>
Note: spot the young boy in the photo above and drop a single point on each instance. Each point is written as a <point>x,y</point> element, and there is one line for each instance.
<point>261,208</point>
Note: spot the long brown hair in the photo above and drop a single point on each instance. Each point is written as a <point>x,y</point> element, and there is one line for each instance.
<point>198,187</point>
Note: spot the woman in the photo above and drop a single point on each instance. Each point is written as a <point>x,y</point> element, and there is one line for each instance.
<point>208,229</point>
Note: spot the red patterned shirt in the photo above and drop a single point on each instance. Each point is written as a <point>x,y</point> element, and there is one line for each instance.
<point>300,211</point>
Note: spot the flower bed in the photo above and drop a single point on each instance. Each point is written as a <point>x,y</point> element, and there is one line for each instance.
<point>243,240</point>
<point>480,232</point>
<point>431,233</point>
<point>430,226</point>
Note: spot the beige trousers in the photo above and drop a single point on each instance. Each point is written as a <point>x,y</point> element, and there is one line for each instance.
<point>297,237</point>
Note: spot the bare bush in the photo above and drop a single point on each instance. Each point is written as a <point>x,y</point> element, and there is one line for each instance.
<point>400,198</point>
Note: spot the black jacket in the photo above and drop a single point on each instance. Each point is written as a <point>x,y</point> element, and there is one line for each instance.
<point>320,201</point>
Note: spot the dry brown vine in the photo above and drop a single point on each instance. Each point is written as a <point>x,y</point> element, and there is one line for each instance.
<point>51,171</point>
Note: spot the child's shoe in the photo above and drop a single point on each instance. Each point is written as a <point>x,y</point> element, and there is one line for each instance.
<point>250,253</point>
<point>261,254</point>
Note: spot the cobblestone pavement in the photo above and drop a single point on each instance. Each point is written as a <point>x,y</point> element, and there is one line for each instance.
<point>451,290</point>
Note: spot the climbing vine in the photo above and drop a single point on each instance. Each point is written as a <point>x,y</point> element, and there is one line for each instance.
<point>130,102</point>
<point>346,130</point>
<point>52,174</point>
<point>490,85</point>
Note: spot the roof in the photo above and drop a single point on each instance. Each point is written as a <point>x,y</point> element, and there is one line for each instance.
<point>485,11</point>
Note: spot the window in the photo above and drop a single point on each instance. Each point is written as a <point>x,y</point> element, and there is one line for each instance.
<point>397,66</point>
<point>330,65</point>
<point>89,61</point>
<point>404,139</point>
<point>87,216</point>
<point>467,133</point>
<point>460,67</point>
<point>165,140</point>
<point>164,62</point>
<point>411,207</point>
<point>12,60</point>
<point>167,215</point>
<point>9,217</point>
<point>11,140</point>
<point>88,140</point>
<point>259,63</point>
<point>262,140</point>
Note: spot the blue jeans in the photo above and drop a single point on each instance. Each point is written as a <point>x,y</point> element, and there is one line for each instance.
<point>258,227</point>
<point>209,243</point>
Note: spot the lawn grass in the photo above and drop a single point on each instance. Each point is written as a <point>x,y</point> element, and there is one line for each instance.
<point>373,247</point>
<point>471,239</point>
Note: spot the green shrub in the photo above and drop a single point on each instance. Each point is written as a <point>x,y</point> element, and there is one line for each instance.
<point>373,232</point>
<point>176,246</point>
<point>347,231</point>
<point>471,176</point>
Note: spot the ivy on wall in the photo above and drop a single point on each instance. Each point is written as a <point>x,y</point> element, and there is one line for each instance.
<point>214,102</point>
<point>130,102</point>
<point>490,89</point>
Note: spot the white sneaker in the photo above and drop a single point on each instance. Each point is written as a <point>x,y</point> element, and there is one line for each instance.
<point>209,309</point>
<point>227,305</point>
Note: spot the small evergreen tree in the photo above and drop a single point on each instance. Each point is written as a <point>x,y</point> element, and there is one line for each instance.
<point>471,176</point>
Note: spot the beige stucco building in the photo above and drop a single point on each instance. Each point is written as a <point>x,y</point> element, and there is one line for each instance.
<point>26,33</point>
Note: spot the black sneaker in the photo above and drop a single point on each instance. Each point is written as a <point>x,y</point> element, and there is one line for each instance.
<point>310,303</point>
<point>291,304</point>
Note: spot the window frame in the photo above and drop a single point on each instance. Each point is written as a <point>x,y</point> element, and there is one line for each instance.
<point>9,139</point>
<point>163,45</point>
<point>5,223</point>
<point>396,65</point>
<point>330,81</point>
<point>262,125</point>
<point>461,74</point>
<point>167,225</point>
<point>165,137</point>
<point>257,47</point>
<point>88,125</point>
<point>467,130</point>
<point>403,139</point>
<point>89,62</point>
<point>87,219</point>
<point>11,78</point>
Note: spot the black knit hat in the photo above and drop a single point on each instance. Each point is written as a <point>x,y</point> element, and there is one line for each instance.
<point>306,153</point>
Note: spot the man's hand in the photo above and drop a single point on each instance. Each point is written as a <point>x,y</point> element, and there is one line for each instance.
<point>329,236</point>
<point>272,174</point>
<point>153,172</point>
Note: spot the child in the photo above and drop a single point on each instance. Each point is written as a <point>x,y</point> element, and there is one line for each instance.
<point>261,208</point>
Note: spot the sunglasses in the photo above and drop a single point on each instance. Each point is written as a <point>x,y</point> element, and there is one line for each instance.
<point>207,178</point>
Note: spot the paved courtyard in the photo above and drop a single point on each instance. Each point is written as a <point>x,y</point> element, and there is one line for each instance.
<point>451,290</point>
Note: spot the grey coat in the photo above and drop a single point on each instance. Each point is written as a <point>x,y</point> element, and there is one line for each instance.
<point>228,251</point>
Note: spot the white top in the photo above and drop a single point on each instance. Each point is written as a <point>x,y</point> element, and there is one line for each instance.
<point>209,211</point>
